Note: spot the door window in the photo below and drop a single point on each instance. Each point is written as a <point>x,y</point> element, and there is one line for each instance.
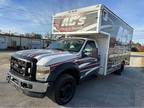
<point>90,49</point>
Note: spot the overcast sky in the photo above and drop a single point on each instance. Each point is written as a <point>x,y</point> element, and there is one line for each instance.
<point>35,15</point>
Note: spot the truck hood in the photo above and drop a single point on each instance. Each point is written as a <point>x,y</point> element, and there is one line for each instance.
<point>46,56</point>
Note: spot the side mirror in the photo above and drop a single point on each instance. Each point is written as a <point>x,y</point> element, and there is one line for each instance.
<point>98,58</point>
<point>86,53</point>
<point>83,54</point>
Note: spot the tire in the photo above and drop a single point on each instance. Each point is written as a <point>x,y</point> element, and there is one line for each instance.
<point>64,89</point>
<point>119,71</point>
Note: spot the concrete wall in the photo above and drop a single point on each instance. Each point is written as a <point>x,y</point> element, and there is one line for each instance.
<point>137,60</point>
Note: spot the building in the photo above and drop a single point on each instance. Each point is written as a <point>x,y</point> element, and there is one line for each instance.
<point>11,41</point>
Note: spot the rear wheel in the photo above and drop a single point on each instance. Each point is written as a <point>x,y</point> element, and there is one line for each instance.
<point>64,89</point>
<point>119,71</point>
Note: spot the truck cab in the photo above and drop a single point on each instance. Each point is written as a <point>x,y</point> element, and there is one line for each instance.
<point>84,51</point>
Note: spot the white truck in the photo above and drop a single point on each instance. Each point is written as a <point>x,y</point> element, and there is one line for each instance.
<point>96,41</point>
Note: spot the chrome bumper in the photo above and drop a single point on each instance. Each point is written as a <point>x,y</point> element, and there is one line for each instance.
<point>26,85</point>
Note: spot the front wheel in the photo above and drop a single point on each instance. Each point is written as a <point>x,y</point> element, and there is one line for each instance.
<point>64,89</point>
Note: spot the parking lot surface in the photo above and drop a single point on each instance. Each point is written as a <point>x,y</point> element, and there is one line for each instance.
<point>126,90</point>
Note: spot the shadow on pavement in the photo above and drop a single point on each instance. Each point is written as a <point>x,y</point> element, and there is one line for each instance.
<point>111,90</point>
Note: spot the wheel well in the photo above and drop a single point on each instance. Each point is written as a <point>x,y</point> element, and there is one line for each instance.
<point>73,72</point>
<point>123,62</point>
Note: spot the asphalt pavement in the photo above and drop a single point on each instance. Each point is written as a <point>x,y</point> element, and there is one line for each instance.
<point>126,90</point>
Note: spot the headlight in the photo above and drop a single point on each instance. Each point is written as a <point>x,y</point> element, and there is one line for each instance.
<point>42,73</point>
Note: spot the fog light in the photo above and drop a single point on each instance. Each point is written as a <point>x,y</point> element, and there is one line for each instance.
<point>25,85</point>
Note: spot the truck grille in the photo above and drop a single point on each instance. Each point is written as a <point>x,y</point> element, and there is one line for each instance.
<point>22,68</point>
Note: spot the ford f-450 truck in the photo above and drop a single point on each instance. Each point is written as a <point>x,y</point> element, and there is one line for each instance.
<point>96,41</point>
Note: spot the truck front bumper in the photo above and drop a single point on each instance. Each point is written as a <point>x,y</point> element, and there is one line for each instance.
<point>28,87</point>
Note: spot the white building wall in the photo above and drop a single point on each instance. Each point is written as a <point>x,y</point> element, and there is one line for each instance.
<point>3,42</point>
<point>26,43</point>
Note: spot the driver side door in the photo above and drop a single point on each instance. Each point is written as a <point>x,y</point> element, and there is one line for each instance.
<point>89,63</point>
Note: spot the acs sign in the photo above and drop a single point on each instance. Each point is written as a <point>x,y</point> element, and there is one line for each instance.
<point>73,21</point>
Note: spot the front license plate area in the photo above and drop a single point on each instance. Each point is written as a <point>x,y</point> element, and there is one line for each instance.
<point>14,82</point>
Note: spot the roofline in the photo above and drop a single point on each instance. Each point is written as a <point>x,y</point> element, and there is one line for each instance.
<point>103,6</point>
<point>77,9</point>
<point>20,36</point>
<point>76,38</point>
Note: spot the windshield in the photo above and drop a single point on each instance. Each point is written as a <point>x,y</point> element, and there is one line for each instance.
<point>72,45</point>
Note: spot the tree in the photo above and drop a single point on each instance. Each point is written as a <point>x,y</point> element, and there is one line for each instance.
<point>137,47</point>
<point>38,36</point>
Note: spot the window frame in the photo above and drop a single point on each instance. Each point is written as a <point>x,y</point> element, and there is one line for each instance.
<point>87,43</point>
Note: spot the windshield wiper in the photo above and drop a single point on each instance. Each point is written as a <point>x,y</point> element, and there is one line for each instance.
<point>71,50</point>
<point>58,49</point>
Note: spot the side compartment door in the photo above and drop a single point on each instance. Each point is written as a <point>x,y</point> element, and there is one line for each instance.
<point>89,63</point>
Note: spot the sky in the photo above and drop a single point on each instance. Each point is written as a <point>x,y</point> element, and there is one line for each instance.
<point>24,16</point>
